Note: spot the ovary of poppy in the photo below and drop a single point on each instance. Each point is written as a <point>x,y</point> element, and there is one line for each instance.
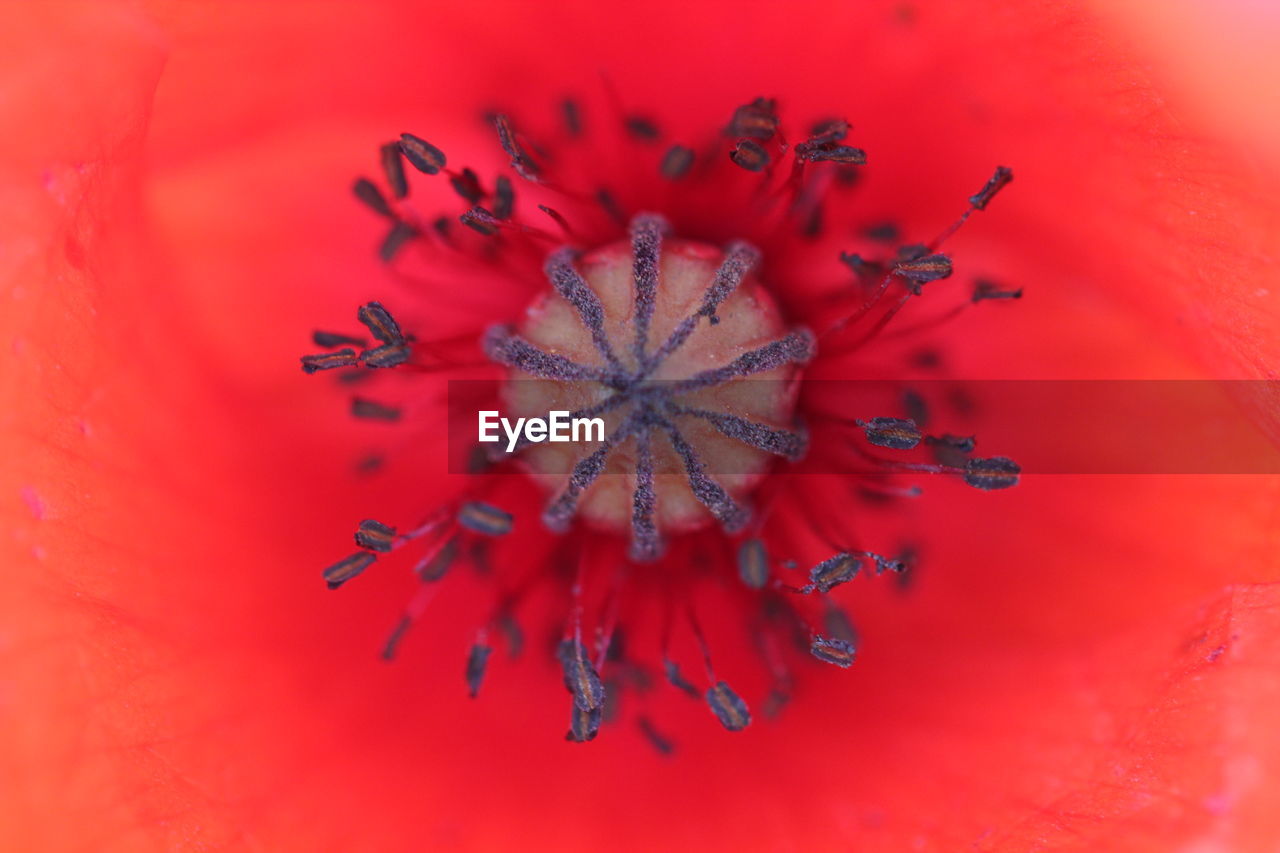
<point>173,677</point>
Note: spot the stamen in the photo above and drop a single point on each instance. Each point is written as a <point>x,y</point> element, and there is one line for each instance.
<point>504,204</point>
<point>400,233</point>
<point>375,536</point>
<point>728,707</point>
<point>422,155</point>
<point>676,162</point>
<point>676,680</point>
<point>642,129</point>
<point>984,289</point>
<point>369,194</point>
<point>388,355</point>
<point>329,360</point>
<point>480,220</point>
<point>833,651</point>
<point>660,742</point>
<point>753,563</point>
<point>571,114</point>
<point>521,162</point>
<point>485,518</point>
<point>1003,175</point>
<point>832,572</point>
<point>758,120</point>
<point>894,433</point>
<point>374,411</point>
<point>347,568</point>
<point>477,660</point>
<point>467,184</point>
<point>997,472</point>
<point>393,169</point>
<point>580,676</point>
<point>583,725</point>
<point>380,322</point>
<point>749,155</point>
<point>336,339</point>
<point>924,269</point>
<point>834,154</point>
<point>435,564</point>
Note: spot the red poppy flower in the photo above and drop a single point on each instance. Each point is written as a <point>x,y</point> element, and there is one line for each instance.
<point>1083,662</point>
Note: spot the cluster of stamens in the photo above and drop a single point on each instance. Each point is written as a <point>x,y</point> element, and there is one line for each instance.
<point>656,367</point>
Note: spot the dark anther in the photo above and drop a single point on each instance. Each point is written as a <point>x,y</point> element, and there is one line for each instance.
<point>400,233</point>
<point>520,160</point>
<point>728,707</point>
<point>659,742</point>
<point>393,169</point>
<point>642,129</point>
<point>580,676</point>
<point>397,634</point>
<point>753,563</point>
<point>572,116</point>
<point>583,725</point>
<point>368,193</point>
<point>824,133</point>
<point>388,355</point>
<point>504,203</point>
<point>983,289</point>
<point>373,410</point>
<point>434,566</point>
<point>485,518</point>
<point>998,472</point>
<point>832,572</point>
<point>834,154</point>
<point>749,155</point>
<point>676,162</point>
<point>915,407</point>
<point>380,322</point>
<point>467,184</point>
<point>375,536</point>
<point>833,651</point>
<point>328,360</point>
<point>424,156</point>
<point>951,449</point>
<point>884,232</point>
<point>347,568</point>
<point>610,204</point>
<point>997,182</point>
<point>856,263</point>
<point>924,269</point>
<point>479,219</point>
<point>336,339</point>
<point>676,680</point>
<point>477,659</point>
<point>887,564</point>
<point>837,624</point>
<point>757,120</point>
<point>894,433</point>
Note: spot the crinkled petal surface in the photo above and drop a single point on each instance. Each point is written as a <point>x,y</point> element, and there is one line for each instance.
<point>1087,663</point>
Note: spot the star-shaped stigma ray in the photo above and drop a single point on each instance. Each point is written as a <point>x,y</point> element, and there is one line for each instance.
<point>662,397</point>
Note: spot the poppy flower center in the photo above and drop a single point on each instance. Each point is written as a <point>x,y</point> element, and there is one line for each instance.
<point>678,347</point>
